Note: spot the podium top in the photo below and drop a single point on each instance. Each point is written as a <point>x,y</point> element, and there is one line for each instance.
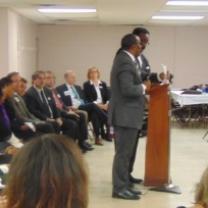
<point>158,87</point>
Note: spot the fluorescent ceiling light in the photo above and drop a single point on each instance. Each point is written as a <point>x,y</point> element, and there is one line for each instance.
<point>187,3</point>
<point>65,10</point>
<point>177,17</point>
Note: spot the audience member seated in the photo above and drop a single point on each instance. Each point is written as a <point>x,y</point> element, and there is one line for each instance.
<point>26,125</point>
<point>6,150</point>
<point>40,102</point>
<point>80,117</point>
<point>51,174</point>
<point>73,97</point>
<point>96,91</point>
<point>5,125</point>
<point>22,87</point>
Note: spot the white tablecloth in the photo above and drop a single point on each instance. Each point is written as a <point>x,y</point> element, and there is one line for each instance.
<point>184,99</point>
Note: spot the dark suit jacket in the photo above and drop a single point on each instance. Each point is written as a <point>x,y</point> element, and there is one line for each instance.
<point>90,92</point>
<point>20,109</point>
<point>67,98</point>
<point>126,107</point>
<point>16,123</point>
<point>146,71</point>
<point>36,106</point>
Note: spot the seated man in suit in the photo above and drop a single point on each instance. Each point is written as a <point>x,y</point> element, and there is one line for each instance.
<point>19,113</point>
<point>80,117</point>
<point>22,87</point>
<point>40,102</point>
<point>73,97</point>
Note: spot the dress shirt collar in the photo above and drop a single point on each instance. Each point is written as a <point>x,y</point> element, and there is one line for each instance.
<point>38,89</point>
<point>131,56</point>
<point>92,83</point>
<point>69,86</point>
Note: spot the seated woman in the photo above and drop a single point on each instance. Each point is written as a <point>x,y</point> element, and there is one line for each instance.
<point>6,150</point>
<point>48,172</point>
<point>5,126</point>
<point>96,91</point>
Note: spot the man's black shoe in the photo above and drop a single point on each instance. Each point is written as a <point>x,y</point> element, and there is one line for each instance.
<point>126,194</point>
<point>86,147</point>
<point>135,191</point>
<point>135,180</point>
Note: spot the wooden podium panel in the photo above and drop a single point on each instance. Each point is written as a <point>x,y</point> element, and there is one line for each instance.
<point>158,144</point>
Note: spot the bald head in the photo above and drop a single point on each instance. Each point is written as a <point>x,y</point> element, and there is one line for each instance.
<point>70,77</point>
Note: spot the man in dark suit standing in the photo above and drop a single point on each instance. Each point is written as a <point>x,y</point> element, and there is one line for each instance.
<point>146,74</point>
<point>126,110</point>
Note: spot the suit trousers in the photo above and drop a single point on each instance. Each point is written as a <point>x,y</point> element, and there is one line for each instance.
<point>79,125</point>
<point>96,115</point>
<point>70,128</point>
<point>41,128</point>
<point>133,157</point>
<point>125,141</point>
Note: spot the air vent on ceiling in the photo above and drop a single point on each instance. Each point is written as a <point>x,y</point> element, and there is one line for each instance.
<point>48,5</point>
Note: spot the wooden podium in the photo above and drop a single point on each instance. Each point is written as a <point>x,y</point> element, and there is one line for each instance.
<point>158,141</point>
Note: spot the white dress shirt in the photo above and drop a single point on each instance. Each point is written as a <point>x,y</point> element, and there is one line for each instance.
<point>76,102</point>
<point>98,92</point>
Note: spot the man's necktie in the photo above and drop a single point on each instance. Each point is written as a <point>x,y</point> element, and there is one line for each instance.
<point>43,97</point>
<point>75,92</point>
<point>59,103</point>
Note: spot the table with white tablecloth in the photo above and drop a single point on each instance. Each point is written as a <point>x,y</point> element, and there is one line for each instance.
<point>189,99</point>
<point>189,108</point>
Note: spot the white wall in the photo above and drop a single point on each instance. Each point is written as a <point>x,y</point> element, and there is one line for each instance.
<point>182,49</point>
<point>13,39</point>
<point>78,48</point>
<point>18,47</point>
<point>3,41</point>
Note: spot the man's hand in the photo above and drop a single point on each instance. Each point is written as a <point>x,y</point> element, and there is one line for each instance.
<point>50,120</point>
<point>11,150</point>
<point>73,114</point>
<point>59,121</point>
<point>147,84</point>
<point>72,108</point>
<point>24,127</point>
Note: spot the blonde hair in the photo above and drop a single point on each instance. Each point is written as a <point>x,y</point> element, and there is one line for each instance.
<point>201,195</point>
<point>90,70</point>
